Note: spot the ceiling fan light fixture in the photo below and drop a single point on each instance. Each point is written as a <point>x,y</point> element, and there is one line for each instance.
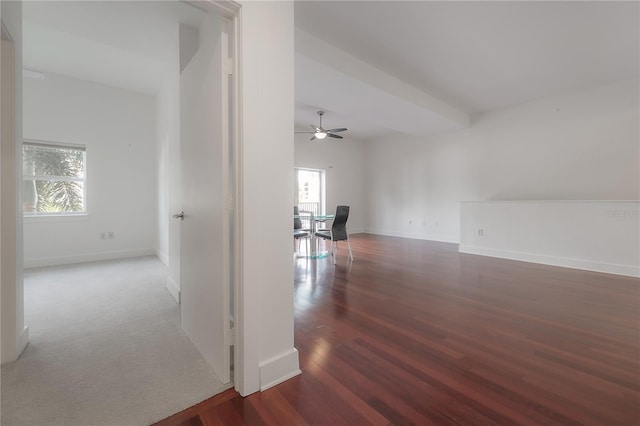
<point>320,132</point>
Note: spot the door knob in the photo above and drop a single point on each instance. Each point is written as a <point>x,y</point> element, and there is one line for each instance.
<point>179,216</point>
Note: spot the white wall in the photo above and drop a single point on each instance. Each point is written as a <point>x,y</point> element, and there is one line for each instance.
<point>118,128</point>
<point>572,147</point>
<point>600,236</point>
<point>266,296</point>
<point>343,163</point>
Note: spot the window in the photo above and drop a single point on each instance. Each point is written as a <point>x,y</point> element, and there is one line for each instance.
<point>309,190</point>
<point>54,179</point>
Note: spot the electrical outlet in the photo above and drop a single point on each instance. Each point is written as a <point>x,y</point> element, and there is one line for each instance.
<point>103,235</point>
<point>481,232</point>
<point>110,235</point>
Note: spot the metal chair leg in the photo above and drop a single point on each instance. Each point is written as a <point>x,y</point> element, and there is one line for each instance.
<point>350,253</point>
<point>333,251</point>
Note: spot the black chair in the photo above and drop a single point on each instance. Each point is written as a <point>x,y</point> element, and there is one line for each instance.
<point>298,231</point>
<point>338,231</point>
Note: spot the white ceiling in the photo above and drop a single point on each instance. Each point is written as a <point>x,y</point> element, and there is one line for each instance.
<point>376,67</point>
<point>474,56</point>
<point>119,43</point>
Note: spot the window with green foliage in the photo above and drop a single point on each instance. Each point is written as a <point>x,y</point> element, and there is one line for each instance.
<point>54,179</point>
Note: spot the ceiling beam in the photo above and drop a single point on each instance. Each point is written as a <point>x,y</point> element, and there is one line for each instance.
<point>353,86</point>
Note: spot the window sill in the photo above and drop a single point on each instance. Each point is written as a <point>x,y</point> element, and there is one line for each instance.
<point>81,217</point>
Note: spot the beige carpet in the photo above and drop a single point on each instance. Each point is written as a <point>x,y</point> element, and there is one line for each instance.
<point>106,348</point>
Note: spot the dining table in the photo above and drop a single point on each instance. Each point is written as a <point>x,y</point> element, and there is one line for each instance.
<point>314,220</point>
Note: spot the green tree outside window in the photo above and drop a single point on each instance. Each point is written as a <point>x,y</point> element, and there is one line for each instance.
<point>54,178</point>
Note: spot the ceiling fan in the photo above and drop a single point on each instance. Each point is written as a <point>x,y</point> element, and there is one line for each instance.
<point>320,132</point>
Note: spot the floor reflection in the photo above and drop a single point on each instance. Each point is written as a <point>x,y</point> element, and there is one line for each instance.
<point>316,280</point>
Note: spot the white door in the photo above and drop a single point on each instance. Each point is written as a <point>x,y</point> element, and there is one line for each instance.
<point>204,234</point>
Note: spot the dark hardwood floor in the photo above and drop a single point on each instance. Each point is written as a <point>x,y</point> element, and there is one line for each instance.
<point>413,332</point>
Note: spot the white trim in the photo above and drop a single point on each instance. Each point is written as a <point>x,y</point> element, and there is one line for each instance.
<point>36,75</point>
<point>353,231</point>
<point>610,268</point>
<point>549,201</point>
<point>226,8</point>
<point>428,237</point>
<point>57,144</point>
<point>228,212</point>
<point>63,217</point>
<point>12,320</point>
<point>278,369</point>
<point>163,256</point>
<point>174,289</point>
<point>4,33</point>
<point>240,363</point>
<point>23,340</point>
<point>88,257</point>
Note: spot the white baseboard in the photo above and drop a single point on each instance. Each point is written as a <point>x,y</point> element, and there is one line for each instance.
<point>23,340</point>
<point>13,349</point>
<point>164,258</point>
<point>173,289</point>
<point>87,257</point>
<point>610,268</point>
<point>428,237</point>
<point>279,369</point>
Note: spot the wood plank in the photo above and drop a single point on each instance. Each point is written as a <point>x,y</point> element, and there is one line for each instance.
<point>413,332</point>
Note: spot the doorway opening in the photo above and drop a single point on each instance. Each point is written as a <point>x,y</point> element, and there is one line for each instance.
<point>131,151</point>
<point>309,192</point>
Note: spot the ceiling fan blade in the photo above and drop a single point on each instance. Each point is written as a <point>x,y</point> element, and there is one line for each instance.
<point>313,137</point>
<point>342,129</point>
<point>331,135</point>
<point>315,129</point>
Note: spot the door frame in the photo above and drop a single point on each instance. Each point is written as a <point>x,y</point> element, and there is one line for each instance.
<point>15,335</point>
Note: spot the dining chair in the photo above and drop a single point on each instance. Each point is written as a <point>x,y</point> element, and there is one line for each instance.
<point>338,231</point>
<point>298,231</point>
